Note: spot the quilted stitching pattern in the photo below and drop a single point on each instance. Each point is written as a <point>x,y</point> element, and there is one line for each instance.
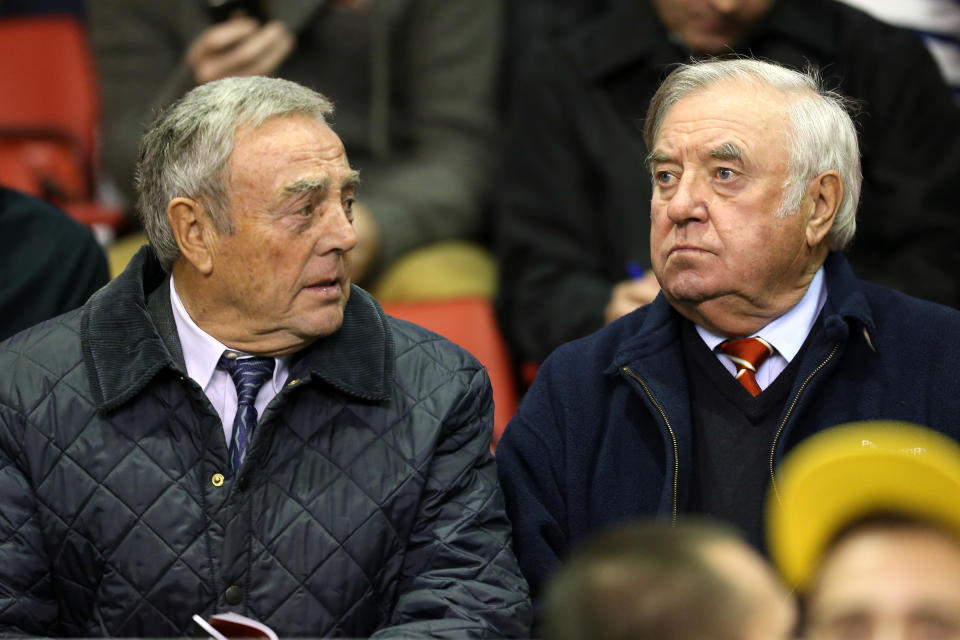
<point>355,515</point>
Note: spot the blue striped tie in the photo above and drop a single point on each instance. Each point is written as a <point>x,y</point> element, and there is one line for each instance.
<point>249,374</point>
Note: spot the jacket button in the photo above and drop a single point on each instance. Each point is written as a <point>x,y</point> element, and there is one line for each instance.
<point>243,482</point>
<point>234,594</point>
<point>217,480</point>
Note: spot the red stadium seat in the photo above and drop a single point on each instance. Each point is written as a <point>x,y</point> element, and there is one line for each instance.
<point>470,323</point>
<point>49,115</point>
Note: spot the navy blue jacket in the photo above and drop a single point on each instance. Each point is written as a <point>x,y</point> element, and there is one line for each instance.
<point>604,434</point>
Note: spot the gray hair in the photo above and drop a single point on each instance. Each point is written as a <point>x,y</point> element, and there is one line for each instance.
<point>821,136</point>
<point>185,150</point>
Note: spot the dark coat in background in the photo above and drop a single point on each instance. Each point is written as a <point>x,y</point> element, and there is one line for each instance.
<point>49,263</point>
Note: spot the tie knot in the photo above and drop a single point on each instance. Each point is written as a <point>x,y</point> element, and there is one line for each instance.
<point>248,373</point>
<point>747,353</point>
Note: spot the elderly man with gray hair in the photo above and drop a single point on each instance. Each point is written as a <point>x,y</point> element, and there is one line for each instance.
<point>761,335</point>
<point>231,426</point>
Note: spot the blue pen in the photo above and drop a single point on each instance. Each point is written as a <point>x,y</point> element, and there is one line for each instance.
<point>634,270</point>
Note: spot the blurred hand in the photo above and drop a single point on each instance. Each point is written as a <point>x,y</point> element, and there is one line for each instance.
<point>240,46</point>
<point>631,294</point>
<point>362,257</point>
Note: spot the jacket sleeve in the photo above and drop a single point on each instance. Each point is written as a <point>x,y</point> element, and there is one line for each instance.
<point>27,605</point>
<point>435,188</point>
<point>530,459</point>
<point>460,578</point>
<point>550,248</point>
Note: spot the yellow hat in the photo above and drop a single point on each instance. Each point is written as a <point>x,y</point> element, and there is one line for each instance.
<point>848,472</point>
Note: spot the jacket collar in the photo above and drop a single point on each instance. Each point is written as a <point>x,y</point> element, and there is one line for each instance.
<point>358,358</point>
<point>659,330</point>
<point>128,337</point>
<point>846,307</point>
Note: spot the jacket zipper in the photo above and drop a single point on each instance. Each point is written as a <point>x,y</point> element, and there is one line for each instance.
<point>673,438</point>
<point>786,417</point>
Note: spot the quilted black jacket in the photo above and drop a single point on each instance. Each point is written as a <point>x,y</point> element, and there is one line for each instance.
<point>367,504</point>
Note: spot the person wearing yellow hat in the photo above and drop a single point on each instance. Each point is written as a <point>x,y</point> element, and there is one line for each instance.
<point>864,521</point>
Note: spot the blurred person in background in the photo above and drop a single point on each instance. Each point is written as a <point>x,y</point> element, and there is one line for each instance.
<point>651,581</point>
<point>864,522</point>
<point>937,22</point>
<point>50,263</point>
<point>414,84</point>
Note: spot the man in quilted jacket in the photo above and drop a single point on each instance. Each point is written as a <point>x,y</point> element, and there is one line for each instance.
<point>230,426</point>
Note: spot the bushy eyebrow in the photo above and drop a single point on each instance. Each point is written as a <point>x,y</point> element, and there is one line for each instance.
<point>727,151</point>
<point>307,185</point>
<point>352,181</point>
<point>656,157</point>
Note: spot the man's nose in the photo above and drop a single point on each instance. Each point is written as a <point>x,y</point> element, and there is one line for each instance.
<point>339,234</point>
<point>688,202</point>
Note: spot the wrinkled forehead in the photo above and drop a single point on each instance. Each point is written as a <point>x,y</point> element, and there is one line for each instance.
<point>286,156</point>
<point>290,138</point>
<point>729,111</point>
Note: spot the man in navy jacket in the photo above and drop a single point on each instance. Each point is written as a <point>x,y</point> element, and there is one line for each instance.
<point>756,179</point>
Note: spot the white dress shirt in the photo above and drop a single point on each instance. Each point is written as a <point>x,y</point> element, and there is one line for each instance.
<point>201,352</point>
<point>785,334</point>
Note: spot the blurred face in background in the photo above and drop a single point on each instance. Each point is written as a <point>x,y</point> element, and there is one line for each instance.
<point>711,26</point>
<point>888,583</point>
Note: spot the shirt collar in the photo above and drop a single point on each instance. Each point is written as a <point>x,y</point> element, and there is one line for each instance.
<point>788,332</point>
<point>201,351</point>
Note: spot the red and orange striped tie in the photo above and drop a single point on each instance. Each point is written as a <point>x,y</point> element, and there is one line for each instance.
<point>747,354</point>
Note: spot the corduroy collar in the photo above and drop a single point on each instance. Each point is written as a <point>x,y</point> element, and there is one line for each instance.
<point>128,341</point>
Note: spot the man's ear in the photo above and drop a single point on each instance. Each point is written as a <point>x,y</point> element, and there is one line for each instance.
<point>193,231</point>
<point>826,191</point>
